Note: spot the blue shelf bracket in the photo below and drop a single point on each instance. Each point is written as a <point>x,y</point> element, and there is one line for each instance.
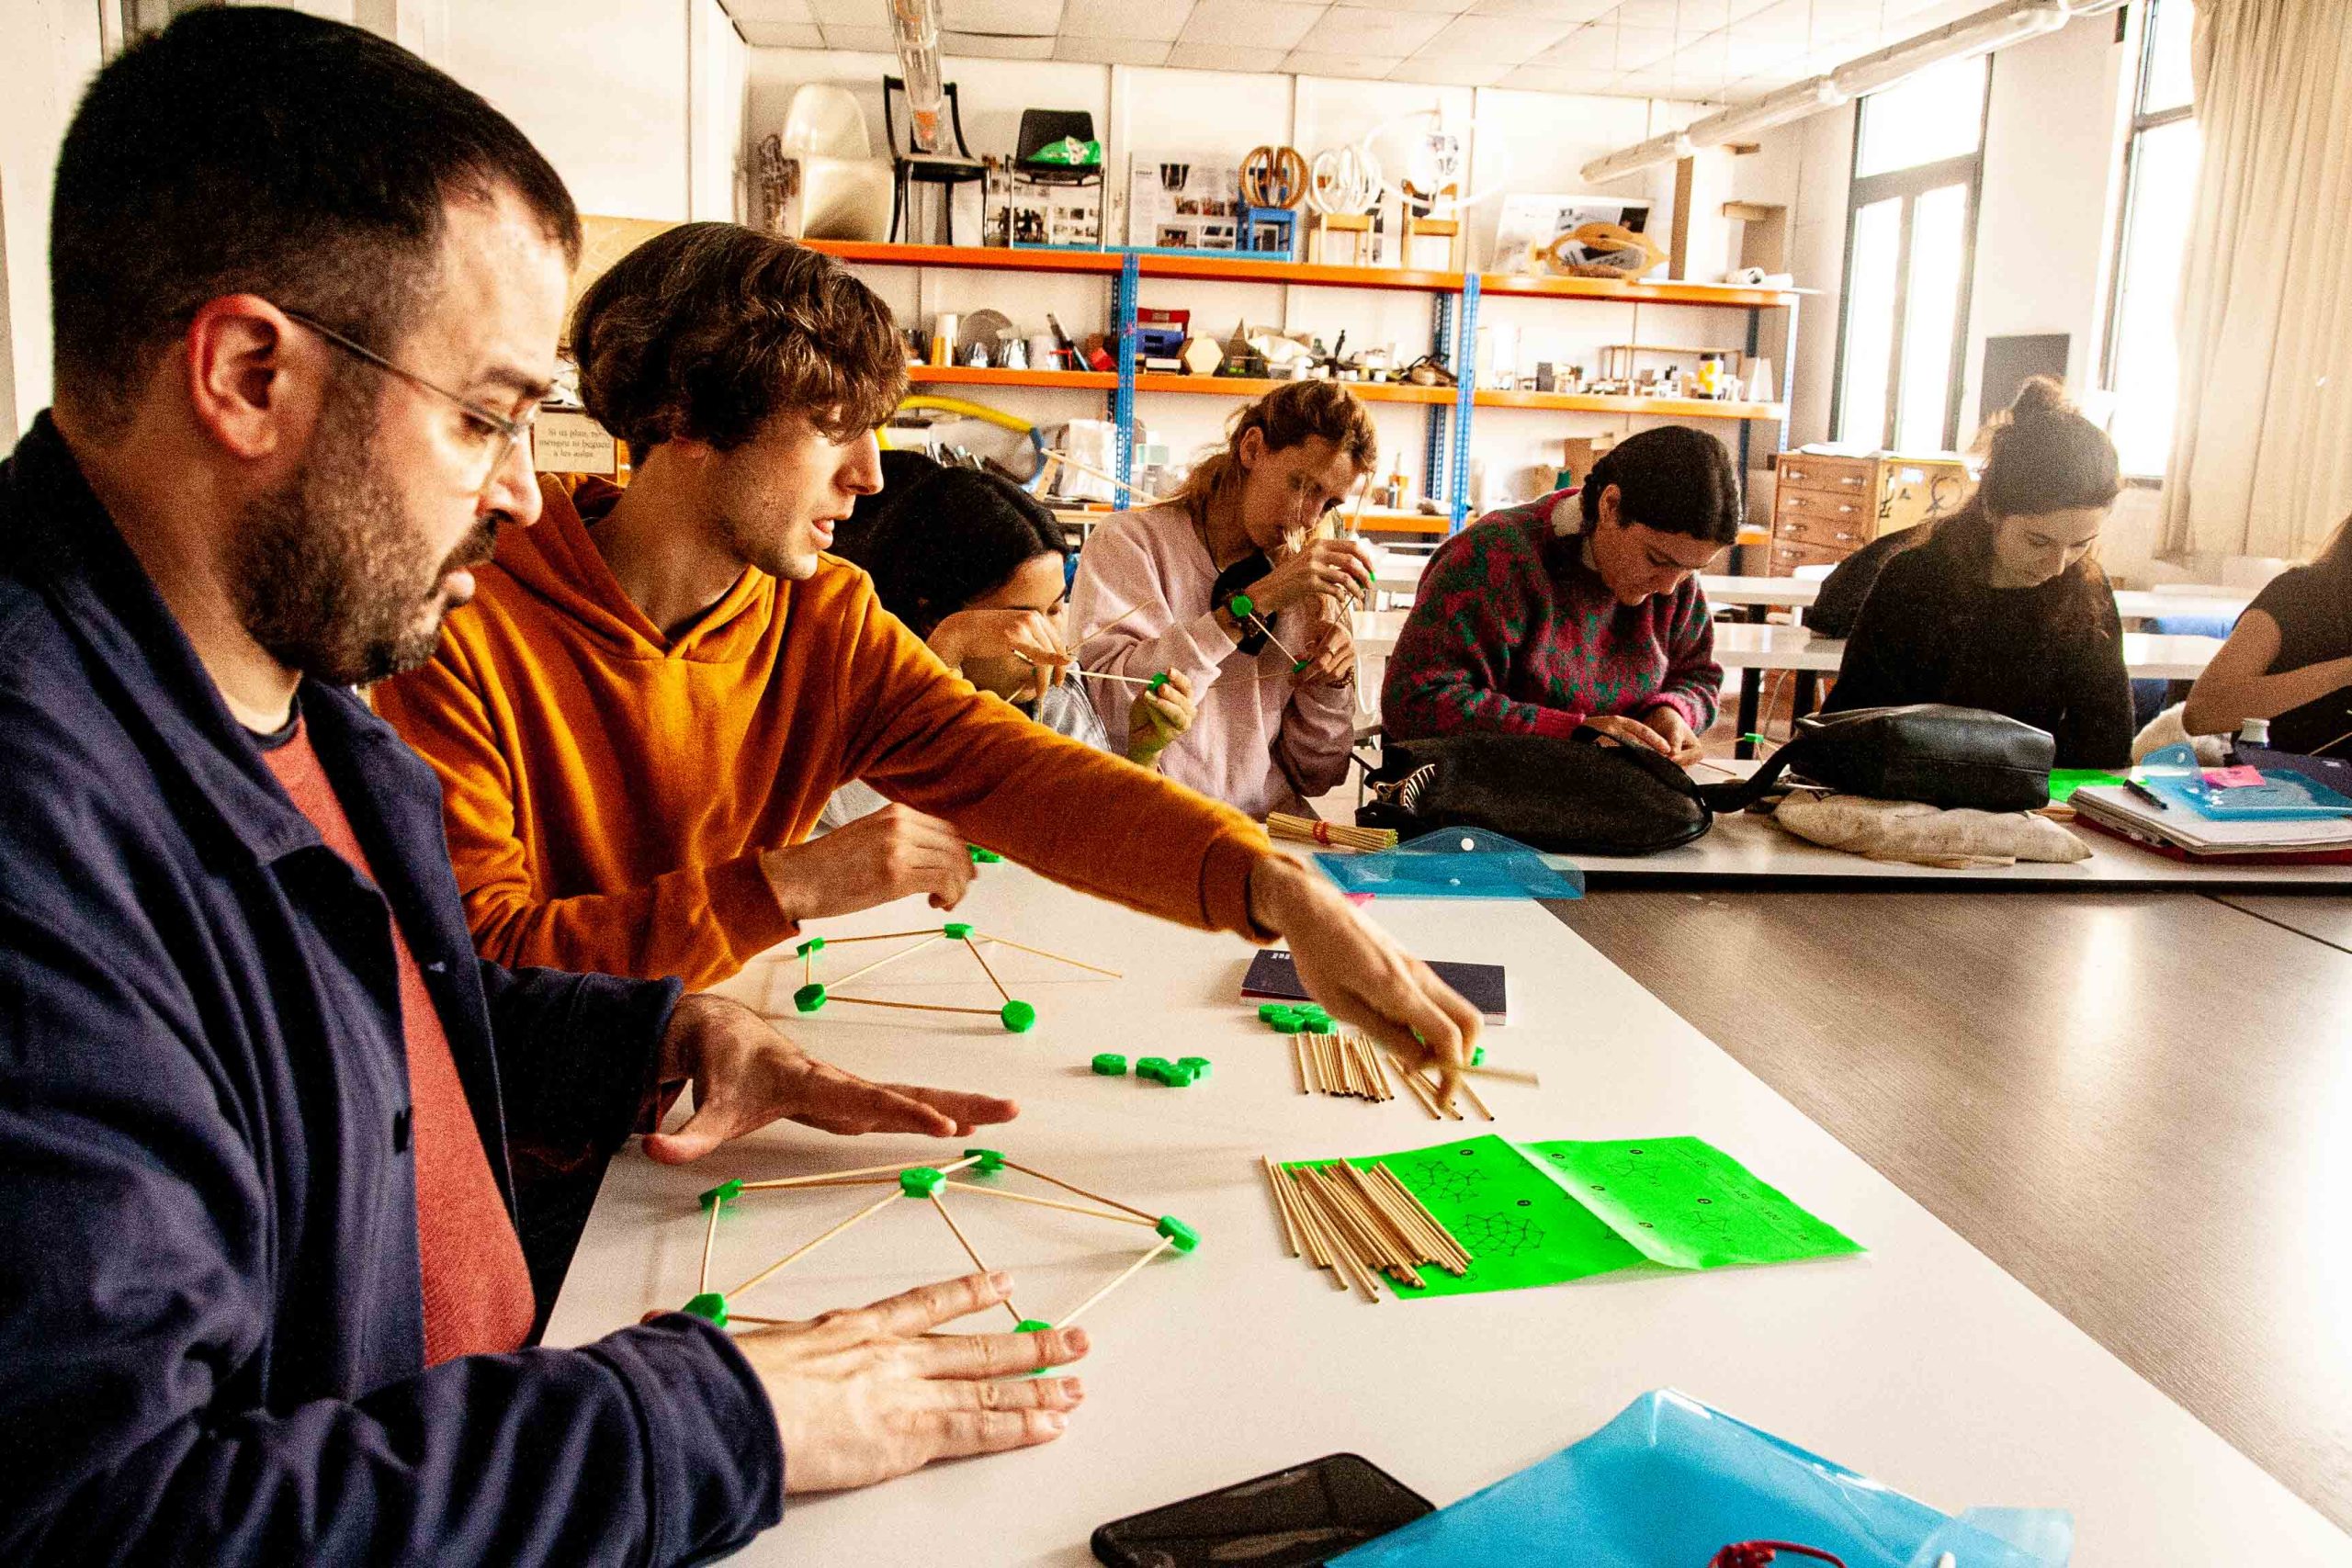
<point>1122,397</point>
<point>1465,391</point>
<point>1433,443</point>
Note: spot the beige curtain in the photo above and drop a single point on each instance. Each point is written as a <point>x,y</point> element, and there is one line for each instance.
<point>2262,451</point>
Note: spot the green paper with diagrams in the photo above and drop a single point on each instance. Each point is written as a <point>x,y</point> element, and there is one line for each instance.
<point>1547,1213</point>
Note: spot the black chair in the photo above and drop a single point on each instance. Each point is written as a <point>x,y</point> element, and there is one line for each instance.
<point>1041,128</point>
<point>911,165</point>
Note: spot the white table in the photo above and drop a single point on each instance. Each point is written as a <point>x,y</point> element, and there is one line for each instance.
<point>2131,603</point>
<point>1922,1364</point>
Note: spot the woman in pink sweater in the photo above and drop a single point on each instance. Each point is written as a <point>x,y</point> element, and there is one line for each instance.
<point>1154,590</point>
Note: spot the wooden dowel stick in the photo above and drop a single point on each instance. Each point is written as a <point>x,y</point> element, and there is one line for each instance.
<point>1131,1271</point>
<point>1395,1253</point>
<point>915,1007</point>
<point>1506,1075</point>
<point>1148,1219</point>
<point>969,1251</point>
<point>1381,1189</point>
<point>709,1240</point>
<point>870,1210</point>
<point>1337,1256</point>
<point>881,936</point>
<point>1298,1057</point>
<point>842,1176</point>
<point>1319,1246</point>
<point>1380,1074</point>
<point>1420,1089</point>
<point>988,972</point>
<point>1048,1204</point>
<point>1282,1207</point>
<point>1344,1247</point>
<point>1121,679</point>
<point>1018,947</point>
<point>1459,1252</point>
<point>1477,1104</point>
<point>1374,1248</point>
<point>902,952</point>
<point>747,1317</point>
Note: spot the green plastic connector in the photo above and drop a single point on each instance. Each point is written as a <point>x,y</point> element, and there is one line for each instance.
<point>1297,667</point>
<point>1179,1077</point>
<point>921,1181</point>
<point>1156,682</point>
<point>1269,1011</point>
<point>957,930</point>
<point>1196,1066</point>
<point>1019,1018</point>
<point>1317,1017</point>
<point>814,944</point>
<point>724,1192</point>
<point>1152,1066</point>
<point>987,1161</point>
<point>710,1305</point>
<point>1478,1056</point>
<point>1184,1236</point>
<point>1290,1023</point>
<point>1242,606</point>
<point>810,997</point>
<point>1111,1064</point>
<point>984,857</point>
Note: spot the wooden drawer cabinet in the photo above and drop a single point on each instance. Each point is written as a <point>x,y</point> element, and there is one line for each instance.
<point>1787,555</point>
<point>1825,508</point>
<point>1830,532</point>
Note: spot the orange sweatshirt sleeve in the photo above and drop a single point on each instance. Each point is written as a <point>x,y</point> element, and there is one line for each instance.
<point>699,922</point>
<point>1088,819</point>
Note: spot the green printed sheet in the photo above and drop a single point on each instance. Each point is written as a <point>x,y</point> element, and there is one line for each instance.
<point>1548,1214</point>
<point>2065,781</point>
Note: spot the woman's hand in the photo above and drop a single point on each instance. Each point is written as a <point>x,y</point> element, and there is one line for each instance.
<point>1331,657</point>
<point>1681,742</point>
<point>1341,568</point>
<point>1631,732</point>
<point>1029,636</point>
<point>1157,719</point>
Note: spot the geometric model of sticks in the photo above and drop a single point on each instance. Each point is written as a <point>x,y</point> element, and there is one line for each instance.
<point>926,1184</point>
<point>1016,1016</point>
<point>1361,1225</point>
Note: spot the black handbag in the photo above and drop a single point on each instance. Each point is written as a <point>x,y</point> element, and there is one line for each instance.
<point>1572,796</point>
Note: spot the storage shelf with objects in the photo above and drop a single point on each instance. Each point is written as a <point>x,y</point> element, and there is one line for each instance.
<point>1454,327</point>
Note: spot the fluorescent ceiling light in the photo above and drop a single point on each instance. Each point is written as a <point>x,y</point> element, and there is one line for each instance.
<point>1673,146</point>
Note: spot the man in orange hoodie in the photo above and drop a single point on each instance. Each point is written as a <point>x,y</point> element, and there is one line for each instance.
<point>639,718</point>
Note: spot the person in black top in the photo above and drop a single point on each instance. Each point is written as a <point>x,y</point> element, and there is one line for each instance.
<point>1846,590</point>
<point>2002,607</point>
<point>2289,660</point>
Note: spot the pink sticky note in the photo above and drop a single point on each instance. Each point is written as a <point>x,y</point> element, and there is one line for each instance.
<point>2239,777</point>
<point>1357,898</point>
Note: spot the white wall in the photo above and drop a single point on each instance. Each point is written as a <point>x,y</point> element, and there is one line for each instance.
<point>53,51</point>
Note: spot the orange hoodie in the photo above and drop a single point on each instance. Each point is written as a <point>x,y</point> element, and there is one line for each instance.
<point>607,791</point>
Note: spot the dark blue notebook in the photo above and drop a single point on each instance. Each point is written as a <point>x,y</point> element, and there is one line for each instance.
<point>1483,985</point>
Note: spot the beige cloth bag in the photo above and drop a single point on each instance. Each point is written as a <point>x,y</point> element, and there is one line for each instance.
<point>1927,835</point>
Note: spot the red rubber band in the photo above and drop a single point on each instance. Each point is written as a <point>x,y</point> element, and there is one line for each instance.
<point>1323,833</point>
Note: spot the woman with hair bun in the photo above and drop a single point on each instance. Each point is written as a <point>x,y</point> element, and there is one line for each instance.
<point>1580,609</point>
<point>2001,607</point>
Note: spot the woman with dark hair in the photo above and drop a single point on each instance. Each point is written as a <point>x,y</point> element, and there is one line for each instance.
<point>1155,590</point>
<point>977,569</point>
<point>2289,660</point>
<point>2002,607</point>
<point>1582,608</point>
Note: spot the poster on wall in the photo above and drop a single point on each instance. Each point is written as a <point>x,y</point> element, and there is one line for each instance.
<point>1530,222</point>
<point>1184,201</point>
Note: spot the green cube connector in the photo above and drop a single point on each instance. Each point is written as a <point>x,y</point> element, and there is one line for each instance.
<point>809,998</point>
<point>957,930</point>
<point>1269,1011</point>
<point>984,857</point>
<point>921,1181</point>
<point>1297,667</point>
<point>1019,1018</point>
<point>1196,1066</point>
<point>1290,1023</point>
<point>987,1161</point>
<point>1478,1056</point>
<point>1184,1236</point>
<point>1151,1066</point>
<point>724,1192</point>
<point>814,944</point>
<point>710,1305</point>
<point>1241,604</point>
<point>1156,682</point>
<point>1111,1064</point>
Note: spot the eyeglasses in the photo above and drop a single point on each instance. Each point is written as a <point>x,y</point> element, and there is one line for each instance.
<point>501,434</point>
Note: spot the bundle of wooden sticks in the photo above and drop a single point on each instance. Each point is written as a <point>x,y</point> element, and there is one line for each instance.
<point>1350,1065</point>
<point>1307,829</point>
<point>1361,1225</point>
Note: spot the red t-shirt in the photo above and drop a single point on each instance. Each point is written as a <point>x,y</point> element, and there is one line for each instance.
<point>477,1288</point>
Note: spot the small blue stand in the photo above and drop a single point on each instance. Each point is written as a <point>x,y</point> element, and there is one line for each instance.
<point>1254,219</point>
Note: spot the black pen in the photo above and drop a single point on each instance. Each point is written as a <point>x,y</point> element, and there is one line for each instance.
<point>2144,793</point>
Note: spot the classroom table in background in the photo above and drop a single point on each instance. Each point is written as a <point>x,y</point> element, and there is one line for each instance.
<point>2133,1103</point>
<point>2199,602</point>
<point>1921,1364</point>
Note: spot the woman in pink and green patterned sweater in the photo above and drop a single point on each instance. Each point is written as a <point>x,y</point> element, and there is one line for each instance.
<point>1582,608</point>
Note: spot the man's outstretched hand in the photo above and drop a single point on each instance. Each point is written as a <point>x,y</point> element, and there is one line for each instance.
<point>747,1074</point>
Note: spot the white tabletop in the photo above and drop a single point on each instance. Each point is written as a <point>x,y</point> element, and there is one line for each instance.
<point>1921,1364</point>
<point>2131,603</point>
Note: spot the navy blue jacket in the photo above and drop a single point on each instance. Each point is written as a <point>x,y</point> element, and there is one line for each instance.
<point>212,1326</point>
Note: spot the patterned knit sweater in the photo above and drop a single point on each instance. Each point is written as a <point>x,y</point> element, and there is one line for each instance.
<point>1512,632</point>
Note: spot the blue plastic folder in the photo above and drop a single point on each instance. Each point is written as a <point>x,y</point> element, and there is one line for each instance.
<point>1453,863</point>
<point>2175,774</point>
<point>1671,1482</point>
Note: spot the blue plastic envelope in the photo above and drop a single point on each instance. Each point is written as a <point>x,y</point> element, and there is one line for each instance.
<point>1670,1481</point>
<point>1453,863</point>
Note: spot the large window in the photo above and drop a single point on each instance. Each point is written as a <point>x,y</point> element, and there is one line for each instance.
<point>2143,365</point>
<point>1910,243</point>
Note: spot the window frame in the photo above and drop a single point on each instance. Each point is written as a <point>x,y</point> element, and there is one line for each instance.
<point>1909,184</point>
<point>2144,120</point>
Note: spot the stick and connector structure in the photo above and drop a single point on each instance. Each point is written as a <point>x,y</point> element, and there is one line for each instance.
<point>1017,1016</point>
<point>925,1184</point>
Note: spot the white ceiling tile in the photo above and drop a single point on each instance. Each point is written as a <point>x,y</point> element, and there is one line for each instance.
<point>994,46</point>
<point>1590,47</point>
<point>1749,57</point>
<point>1251,23</point>
<point>1320,63</point>
<point>1639,48</point>
<point>1452,70</point>
<point>1561,10</point>
<point>1664,14</point>
<point>1557,79</point>
<point>873,40</point>
<point>1505,40</point>
<point>1648,84</point>
<point>1112,51</point>
<point>1223,57</point>
<point>1034,18</point>
<point>782,35</point>
<point>770,11</point>
<point>1358,30</point>
<point>851,12</point>
<point>1432,7</point>
<point>1742,9</point>
<point>1163,19</point>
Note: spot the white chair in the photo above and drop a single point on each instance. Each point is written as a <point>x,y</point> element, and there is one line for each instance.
<point>833,186</point>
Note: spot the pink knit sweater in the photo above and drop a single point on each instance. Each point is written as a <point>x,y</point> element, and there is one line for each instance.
<point>1141,604</point>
